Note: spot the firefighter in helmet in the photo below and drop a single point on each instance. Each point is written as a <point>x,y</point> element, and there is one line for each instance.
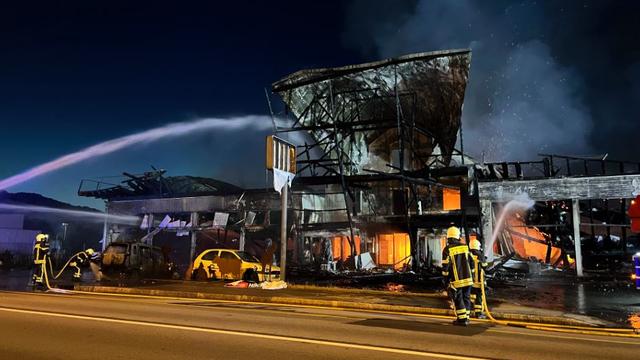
<point>479,265</point>
<point>457,273</point>
<point>82,258</point>
<point>40,257</point>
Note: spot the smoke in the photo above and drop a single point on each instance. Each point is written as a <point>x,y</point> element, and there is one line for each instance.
<point>167,131</point>
<point>519,101</point>
<point>96,216</point>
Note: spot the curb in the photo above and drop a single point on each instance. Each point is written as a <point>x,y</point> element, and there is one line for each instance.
<point>400,309</point>
<point>367,291</point>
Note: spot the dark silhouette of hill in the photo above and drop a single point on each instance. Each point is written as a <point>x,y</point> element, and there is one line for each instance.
<point>24,198</point>
<point>81,232</point>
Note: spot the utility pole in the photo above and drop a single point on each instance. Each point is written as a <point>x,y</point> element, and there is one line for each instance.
<point>283,233</point>
<point>281,158</point>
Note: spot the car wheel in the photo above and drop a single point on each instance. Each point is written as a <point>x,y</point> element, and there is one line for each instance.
<point>200,274</point>
<point>250,275</point>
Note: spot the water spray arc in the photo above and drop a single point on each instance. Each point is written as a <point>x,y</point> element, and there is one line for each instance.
<point>166,131</point>
<point>96,216</point>
<point>518,202</point>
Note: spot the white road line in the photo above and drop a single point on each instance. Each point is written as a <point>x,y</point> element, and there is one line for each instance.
<point>245,334</point>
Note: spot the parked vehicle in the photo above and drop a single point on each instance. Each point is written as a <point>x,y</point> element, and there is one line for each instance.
<point>134,260</point>
<point>227,264</point>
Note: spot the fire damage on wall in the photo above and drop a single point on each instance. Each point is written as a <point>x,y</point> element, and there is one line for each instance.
<point>381,174</point>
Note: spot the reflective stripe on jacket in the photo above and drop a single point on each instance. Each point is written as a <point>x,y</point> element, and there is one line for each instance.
<point>478,266</point>
<point>456,265</point>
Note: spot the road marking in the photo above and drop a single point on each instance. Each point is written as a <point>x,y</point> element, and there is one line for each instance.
<point>428,316</point>
<point>204,305</point>
<point>562,337</point>
<point>250,335</point>
<point>193,302</point>
<point>431,316</point>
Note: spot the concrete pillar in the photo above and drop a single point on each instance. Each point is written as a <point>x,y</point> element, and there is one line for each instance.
<point>150,225</point>
<point>105,227</point>
<point>486,207</point>
<point>576,235</point>
<point>194,224</point>
<point>241,240</point>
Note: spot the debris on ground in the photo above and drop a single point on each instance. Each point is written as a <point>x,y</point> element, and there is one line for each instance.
<point>634,320</point>
<point>395,287</point>
<point>240,284</point>
<point>273,285</point>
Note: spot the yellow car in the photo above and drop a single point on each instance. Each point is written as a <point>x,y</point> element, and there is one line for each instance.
<point>227,264</point>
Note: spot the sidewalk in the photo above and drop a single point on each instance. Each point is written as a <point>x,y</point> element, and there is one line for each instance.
<point>401,302</point>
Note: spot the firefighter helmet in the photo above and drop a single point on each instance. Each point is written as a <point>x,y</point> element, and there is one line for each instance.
<point>42,237</point>
<point>453,233</point>
<point>474,244</point>
<point>89,252</point>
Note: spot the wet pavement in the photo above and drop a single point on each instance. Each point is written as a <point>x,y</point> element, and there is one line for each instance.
<point>608,299</point>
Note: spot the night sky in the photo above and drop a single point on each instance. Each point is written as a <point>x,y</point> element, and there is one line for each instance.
<point>550,76</point>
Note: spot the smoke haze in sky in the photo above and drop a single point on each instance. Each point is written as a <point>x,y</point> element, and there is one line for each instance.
<point>521,99</point>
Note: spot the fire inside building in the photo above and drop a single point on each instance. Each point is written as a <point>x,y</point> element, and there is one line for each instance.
<point>381,174</point>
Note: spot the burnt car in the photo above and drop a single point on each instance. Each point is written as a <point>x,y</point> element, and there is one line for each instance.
<point>134,261</point>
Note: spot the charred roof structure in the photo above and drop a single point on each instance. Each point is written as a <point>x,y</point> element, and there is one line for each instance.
<point>361,116</point>
<point>155,184</point>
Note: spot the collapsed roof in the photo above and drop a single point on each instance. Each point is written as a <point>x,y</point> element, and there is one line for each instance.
<point>367,104</point>
<point>154,184</point>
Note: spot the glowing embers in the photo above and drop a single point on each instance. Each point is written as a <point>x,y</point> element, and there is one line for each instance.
<point>529,241</point>
<point>451,199</point>
<point>393,250</point>
<point>634,320</point>
<point>342,248</point>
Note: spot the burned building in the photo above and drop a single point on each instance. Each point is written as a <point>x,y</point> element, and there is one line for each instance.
<point>379,171</point>
<point>380,174</point>
<point>579,219</point>
<point>185,215</point>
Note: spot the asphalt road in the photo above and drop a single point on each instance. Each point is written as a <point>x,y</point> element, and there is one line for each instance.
<point>84,326</point>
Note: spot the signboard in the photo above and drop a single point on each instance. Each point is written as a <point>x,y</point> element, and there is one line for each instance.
<point>220,219</point>
<point>281,159</point>
<point>281,155</point>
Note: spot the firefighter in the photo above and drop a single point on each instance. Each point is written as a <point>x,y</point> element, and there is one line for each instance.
<point>479,265</point>
<point>40,258</point>
<point>457,273</point>
<point>81,259</point>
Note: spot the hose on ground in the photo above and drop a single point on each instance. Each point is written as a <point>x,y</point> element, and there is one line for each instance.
<point>585,330</point>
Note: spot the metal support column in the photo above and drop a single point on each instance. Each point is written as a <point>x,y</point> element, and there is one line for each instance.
<point>576,235</point>
<point>486,207</point>
<point>283,233</point>
<point>149,226</point>
<point>105,227</point>
<point>194,224</point>
<point>242,234</point>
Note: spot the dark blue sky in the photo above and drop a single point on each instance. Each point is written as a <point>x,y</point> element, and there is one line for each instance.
<point>74,73</point>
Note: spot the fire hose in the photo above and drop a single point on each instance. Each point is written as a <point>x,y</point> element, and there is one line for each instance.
<point>48,267</point>
<point>584,330</point>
